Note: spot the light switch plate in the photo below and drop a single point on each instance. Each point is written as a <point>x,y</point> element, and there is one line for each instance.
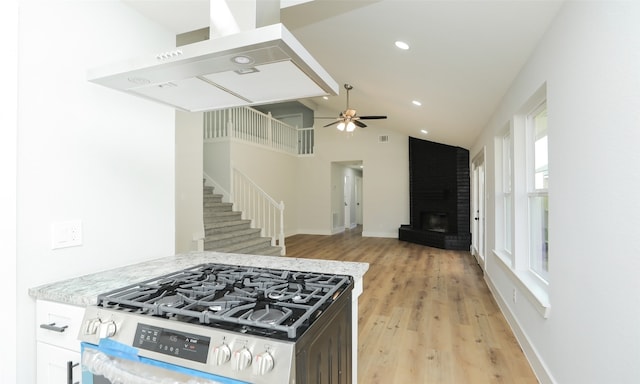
<point>66,234</point>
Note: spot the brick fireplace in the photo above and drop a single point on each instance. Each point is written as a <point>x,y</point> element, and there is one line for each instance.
<point>439,196</point>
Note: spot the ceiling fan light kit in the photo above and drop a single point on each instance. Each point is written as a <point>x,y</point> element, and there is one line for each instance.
<point>348,119</point>
<point>349,126</point>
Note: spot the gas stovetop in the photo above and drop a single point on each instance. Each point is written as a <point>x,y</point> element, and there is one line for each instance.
<point>267,302</point>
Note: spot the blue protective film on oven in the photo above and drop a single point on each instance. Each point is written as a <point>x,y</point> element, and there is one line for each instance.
<point>191,372</point>
<point>115,349</point>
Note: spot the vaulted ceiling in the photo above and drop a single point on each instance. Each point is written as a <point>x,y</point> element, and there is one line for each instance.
<point>463,55</point>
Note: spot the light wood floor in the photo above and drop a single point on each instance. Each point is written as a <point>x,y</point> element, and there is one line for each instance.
<point>426,314</point>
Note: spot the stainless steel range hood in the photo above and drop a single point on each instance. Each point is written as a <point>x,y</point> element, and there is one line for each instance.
<point>256,66</point>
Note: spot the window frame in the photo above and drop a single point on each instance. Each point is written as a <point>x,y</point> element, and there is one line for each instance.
<point>515,137</point>
<point>534,193</point>
<point>507,194</point>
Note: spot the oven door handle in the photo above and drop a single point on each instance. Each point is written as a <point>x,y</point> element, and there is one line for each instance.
<point>100,361</point>
<point>70,366</point>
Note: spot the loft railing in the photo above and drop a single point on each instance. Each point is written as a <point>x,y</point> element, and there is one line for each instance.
<point>256,205</point>
<point>250,125</point>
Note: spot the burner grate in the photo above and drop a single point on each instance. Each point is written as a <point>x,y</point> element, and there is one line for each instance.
<point>246,299</point>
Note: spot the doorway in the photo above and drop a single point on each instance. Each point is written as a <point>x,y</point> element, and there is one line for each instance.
<point>478,208</point>
<point>347,204</point>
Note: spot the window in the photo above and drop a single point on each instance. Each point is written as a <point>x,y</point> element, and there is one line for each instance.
<point>507,196</point>
<point>538,183</point>
<point>522,201</point>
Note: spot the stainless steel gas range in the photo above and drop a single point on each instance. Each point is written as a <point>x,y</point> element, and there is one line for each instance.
<point>218,323</point>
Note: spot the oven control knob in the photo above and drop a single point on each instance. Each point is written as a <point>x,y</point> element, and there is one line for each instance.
<point>92,326</point>
<point>221,354</point>
<point>263,363</point>
<point>107,329</point>
<point>241,359</point>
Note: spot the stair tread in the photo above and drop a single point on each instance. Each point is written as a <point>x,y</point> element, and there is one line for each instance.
<point>243,245</point>
<point>217,204</point>
<point>230,235</point>
<point>220,218</point>
<point>223,213</point>
<point>223,224</point>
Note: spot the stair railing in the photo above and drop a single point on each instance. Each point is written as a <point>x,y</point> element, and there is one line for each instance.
<point>250,125</point>
<point>256,205</point>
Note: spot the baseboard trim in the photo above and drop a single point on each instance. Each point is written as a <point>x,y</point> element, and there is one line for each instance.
<point>537,365</point>
<point>311,232</point>
<point>391,235</point>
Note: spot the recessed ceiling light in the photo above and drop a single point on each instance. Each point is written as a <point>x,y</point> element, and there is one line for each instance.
<point>243,60</point>
<point>416,102</point>
<point>424,131</point>
<point>325,97</point>
<point>402,45</point>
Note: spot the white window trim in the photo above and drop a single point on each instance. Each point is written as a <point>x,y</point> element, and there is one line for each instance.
<point>541,282</point>
<point>528,283</point>
<point>516,264</point>
<point>500,212</point>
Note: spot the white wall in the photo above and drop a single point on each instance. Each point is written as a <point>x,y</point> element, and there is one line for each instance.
<point>314,187</point>
<point>86,152</point>
<point>385,180</point>
<point>189,183</point>
<point>8,167</point>
<point>274,172</point>
<point>217,163</point>
<point>590,61</point>
<point>307,184</point>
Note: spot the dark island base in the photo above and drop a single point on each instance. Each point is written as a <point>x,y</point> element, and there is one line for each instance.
<point>442,240</point>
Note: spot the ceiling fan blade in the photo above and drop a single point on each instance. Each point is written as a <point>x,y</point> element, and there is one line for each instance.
<point>359,123</point>
<point>324,117</point>
<point>372,117</point>
<point>330,124</point>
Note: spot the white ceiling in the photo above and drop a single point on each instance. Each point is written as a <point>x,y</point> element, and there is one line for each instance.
<point>463,55</point>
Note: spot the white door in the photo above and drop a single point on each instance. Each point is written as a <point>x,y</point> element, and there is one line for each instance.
<point>477,209</point>
<point>347,202</point>
<point>358,200</point>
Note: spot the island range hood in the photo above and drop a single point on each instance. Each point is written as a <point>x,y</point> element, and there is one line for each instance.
<point>260,65</point>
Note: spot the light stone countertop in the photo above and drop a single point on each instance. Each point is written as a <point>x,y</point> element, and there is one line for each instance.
<point>84,290</point>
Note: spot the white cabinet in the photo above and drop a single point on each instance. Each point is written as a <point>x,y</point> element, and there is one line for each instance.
<point>53,365</point>
<point>58,355</point>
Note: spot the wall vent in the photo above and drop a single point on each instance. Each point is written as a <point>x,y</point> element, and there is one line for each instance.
<point>383,139</point>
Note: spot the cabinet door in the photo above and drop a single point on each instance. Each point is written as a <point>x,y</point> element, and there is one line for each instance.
<point>63,317</point>
<point>53,365</point>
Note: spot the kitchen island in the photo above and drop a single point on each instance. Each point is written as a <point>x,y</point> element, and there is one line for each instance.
<point>84,290</point>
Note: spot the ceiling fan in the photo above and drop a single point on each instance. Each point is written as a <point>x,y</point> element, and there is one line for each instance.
<point>348,119</point>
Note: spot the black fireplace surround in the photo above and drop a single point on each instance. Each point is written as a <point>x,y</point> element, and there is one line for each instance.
<point>439,196</point>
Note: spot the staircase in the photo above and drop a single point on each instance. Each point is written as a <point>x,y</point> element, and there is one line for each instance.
<point>226,231</point>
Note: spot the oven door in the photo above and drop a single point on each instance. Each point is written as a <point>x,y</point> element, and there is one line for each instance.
<point>114,363</point>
